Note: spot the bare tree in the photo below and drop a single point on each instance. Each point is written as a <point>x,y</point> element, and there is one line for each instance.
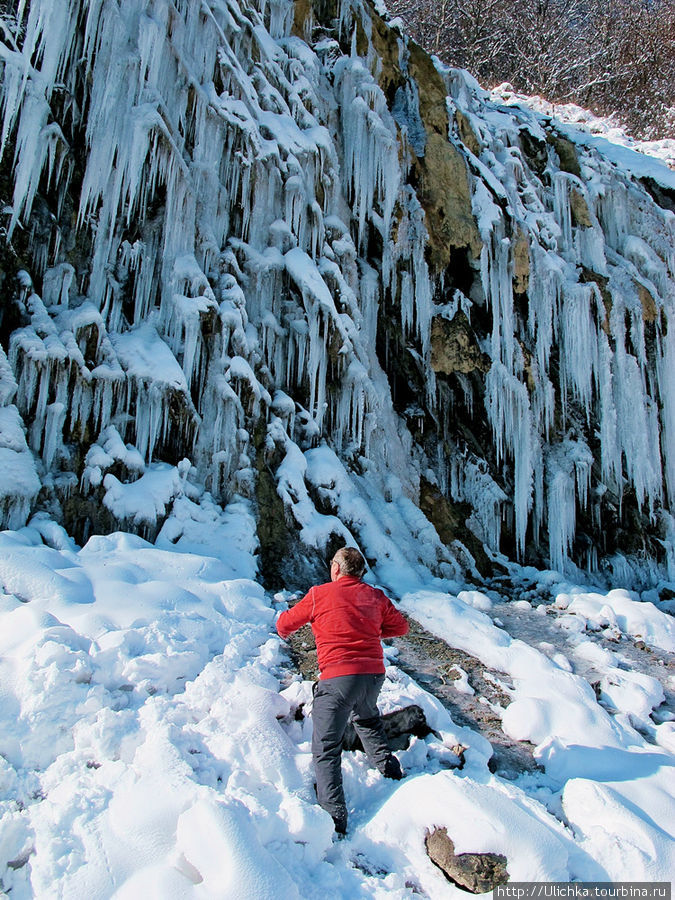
<point>611,55</point>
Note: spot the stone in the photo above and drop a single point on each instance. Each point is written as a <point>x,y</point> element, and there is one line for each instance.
<point>466,133</point>
<point>650,311</point>
<point>663,196</point>
<point>581,215</point>
<point>454,347</point>
<point>399,726</point>
<point>449,520</point>
<point>475,872</point>
<point>602,282</point>
<point>441,174</point>
<point>432,90</point>
<point>385,42</point>
<point>521,262</point>
<point>302,19</point>
<point>534,149</point>
<point>567,153</point>
<point>443,190</point>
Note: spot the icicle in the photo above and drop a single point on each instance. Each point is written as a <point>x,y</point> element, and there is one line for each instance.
<point>470,482</point>
<point>563,212</point>
<point>371,153</point>
<point>637,420</point>
<point>666,375</point>
<point>56,284</point>
<point>578,350</point>
<point>508,408</point>
<point>55,419</point>
<point>568,468</point>
<point>281,17</point>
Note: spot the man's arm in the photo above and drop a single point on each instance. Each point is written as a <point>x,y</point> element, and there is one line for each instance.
<point>394,623</point>
<point>292,619</point>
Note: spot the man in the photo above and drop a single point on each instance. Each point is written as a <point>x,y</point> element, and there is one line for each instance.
<point>349,618</point>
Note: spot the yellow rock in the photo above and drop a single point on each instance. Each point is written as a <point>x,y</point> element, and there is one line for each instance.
<point>443,190</point>
<point>466,133</point>
<point>454,347</point>
<point>521,262</point>
<point>580,212</point>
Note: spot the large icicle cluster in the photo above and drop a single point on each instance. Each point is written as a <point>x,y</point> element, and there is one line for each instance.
<point>258,228</point>
<point>579,383</point>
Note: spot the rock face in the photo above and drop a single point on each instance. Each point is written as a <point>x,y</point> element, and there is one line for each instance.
<point>454,347</point>
<point>475,872</point>
<point>311,276</point>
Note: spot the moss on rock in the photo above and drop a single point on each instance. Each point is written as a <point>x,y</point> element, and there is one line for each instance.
<point>567,153</point>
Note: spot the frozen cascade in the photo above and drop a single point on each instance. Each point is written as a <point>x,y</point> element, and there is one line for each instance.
<point>578,342</point>
<point>509,413</point>
<point>470,480</point>
<point>568,477</point>
<point>370,147</point>
<point>256,266</point>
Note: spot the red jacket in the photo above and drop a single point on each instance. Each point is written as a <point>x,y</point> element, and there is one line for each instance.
<point>349,618</point>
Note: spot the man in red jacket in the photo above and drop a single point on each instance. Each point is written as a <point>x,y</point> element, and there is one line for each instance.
<point>349,618</point>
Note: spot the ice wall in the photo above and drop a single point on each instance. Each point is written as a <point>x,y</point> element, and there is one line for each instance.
<point>254,229</point>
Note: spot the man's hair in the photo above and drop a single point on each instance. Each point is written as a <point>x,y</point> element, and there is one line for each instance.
<point>351,561</point>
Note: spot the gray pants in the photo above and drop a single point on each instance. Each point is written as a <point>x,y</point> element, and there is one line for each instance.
<point>335,701</point>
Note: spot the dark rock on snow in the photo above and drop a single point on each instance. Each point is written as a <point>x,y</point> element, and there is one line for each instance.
<point>475,872</point>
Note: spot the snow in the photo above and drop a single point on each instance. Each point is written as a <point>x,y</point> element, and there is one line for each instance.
<point>586,750</point>
<point>148,743</point>
<point>640,619</point>
<point>20,482</point>
<point>602,133</point>
<point>145,500</point>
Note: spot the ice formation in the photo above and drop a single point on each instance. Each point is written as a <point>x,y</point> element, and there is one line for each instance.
<point>242,223</point>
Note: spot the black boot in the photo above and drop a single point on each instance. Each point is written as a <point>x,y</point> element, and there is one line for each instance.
<point>392,769</point>
<point>340,822</point>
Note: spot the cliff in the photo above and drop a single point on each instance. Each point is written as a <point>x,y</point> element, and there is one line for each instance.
<point>271,254</point>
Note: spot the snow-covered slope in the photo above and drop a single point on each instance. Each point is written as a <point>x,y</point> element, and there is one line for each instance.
<point>236,232</point>
<point>150,746</point>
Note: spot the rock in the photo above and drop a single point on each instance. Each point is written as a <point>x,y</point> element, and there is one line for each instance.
<point>466,133</point>
<point>441,174</point>
<point>475,872</point>
<point>580,213</point>
<point>386,44</point>
<point>302,19</point>
<point>534,149</point>
<point>432,91</point>
<point>663,196</point>
<point>443,190</point>
<point>449,520</point>
<point>521,262</point>
<point>602,282</point>
<point>650,311</point>
<point>454,347</point>
<point>398,727</point>
<point>567,153</point>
